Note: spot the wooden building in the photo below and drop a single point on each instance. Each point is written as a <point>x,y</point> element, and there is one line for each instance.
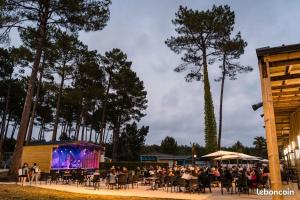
<point>63,155</point>
<point>280,84</point>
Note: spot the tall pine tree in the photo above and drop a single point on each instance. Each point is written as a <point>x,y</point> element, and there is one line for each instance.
<point>71,16</point>
<point>197,36</point>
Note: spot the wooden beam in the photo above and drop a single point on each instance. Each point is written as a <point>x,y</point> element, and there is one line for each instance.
<point>280,87</point>
<point>285,93</point>
<point>285,77</point>
<point>285,62</point>
<point>282,57</point>
<point>270,128</point>
<point>286,98</point>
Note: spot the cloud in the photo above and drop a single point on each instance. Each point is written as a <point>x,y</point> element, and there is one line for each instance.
<point>140,28</point>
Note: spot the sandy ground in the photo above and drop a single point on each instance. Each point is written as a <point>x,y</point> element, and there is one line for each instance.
<point>144,191</point>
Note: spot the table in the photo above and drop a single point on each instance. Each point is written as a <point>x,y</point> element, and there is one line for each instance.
<point>67,177</point>
<point>152,181</point>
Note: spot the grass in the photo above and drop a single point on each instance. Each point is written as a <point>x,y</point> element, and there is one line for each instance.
<point>16,192</point>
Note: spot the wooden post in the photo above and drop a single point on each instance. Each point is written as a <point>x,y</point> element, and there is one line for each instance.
<point>270,127</point>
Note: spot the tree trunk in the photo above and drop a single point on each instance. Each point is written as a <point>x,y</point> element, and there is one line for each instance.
<point>116,133</point>
<point>210,120</point>
<point>2,137</point>
<point>103,124</point>
<point>82,120</point>
<point>91,130</point>
<point>58,104</point>
<point>7,101</point>
<point>17,155</point>
<point>115,145</point>
<point>31,122</point>
<point>221,102</point>
<point>14,130</point>
<point>77,128</point>
<point>7,125</point>
<point>69,129</point>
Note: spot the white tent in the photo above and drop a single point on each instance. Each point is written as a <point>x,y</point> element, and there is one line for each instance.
<point>219,153</point>
<point>264,160</point>
<point>236,156</point>
<point>228,157</point>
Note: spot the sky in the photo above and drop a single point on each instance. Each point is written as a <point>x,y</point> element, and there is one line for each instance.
<point>175,107</point>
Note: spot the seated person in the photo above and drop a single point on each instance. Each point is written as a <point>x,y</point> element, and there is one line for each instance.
<point>186,175</point>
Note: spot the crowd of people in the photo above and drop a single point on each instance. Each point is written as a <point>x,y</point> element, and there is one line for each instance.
<point>254,176</point>
<point>161,176</point>
<point>27,173</point>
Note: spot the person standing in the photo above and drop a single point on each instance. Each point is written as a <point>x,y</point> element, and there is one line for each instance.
<point>25,173</point>
<point>35,173</point>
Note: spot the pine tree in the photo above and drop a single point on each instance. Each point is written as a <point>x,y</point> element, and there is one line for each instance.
<point>72,16</point>
<point>198,33</point>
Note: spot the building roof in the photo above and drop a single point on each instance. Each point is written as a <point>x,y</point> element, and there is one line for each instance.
<point>283,65</point>
<point>278,49</point>
<point>67,143</point>
<point>162,156</point>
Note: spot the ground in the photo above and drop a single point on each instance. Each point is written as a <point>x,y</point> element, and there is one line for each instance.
<point>12,191</point>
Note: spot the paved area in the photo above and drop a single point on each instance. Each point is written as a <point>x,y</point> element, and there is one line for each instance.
<point>144,191</point>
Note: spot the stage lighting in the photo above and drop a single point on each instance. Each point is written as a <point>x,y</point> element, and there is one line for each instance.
<point>257,106</point>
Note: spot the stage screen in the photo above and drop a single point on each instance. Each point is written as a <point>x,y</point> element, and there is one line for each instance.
<point>74,157</point>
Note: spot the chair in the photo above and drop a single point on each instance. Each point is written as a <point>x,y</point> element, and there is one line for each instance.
<point>263,181</point>
<point>44,177</point>
<point>122,181</point>
<point>180,182</point>
<point>80,179</point>
<point>226,182</point>
<point>242,184</point>
<point>96,181</point>
<point>160,182</point>
<point>194,185</point>
<point>54,177</point>
<point>133,180</point>
<point>284,177</point>
<point>204,182</point>
<point>169,182</point>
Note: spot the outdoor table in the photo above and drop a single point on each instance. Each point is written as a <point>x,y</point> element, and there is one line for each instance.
<point>152,181</point>
<point>66,178</point>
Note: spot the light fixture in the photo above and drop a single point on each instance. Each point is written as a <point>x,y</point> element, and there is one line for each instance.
<point>290,148</point>
<point>257,106</point>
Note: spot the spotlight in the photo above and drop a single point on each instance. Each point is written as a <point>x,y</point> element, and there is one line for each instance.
<point>262,115</point>
<point>257,106</point>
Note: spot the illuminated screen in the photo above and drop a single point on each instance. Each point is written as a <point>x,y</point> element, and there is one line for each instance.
<point>74,157</point>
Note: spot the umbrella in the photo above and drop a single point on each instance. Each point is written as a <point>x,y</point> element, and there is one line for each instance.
<point>247,157</point>
<point>228,157</point>
<point>265,160</point>
<point>220,153</point>
<point>237,156</point>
